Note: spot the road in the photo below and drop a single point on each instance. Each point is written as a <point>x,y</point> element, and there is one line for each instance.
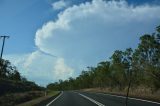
<point>69,98</point>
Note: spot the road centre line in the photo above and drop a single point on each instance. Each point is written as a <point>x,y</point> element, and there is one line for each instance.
<point>54,99</point>
<point>92,100</point>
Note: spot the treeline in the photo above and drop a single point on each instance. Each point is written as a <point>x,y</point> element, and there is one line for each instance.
<point>12,82</point>
<point>141,65</point>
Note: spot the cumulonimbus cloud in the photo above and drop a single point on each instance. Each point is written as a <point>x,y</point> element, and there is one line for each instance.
<point>96,27</point>
<point>87,33</point>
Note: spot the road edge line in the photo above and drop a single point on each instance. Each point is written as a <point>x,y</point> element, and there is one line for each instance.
<point>54,99</point>
<point>92,100</point>
<point>130,98</point>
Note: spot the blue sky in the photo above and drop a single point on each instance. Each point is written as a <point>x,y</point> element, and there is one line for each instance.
<point>57,39</point>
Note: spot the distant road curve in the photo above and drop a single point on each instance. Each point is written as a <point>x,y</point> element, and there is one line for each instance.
<point>70,98</point>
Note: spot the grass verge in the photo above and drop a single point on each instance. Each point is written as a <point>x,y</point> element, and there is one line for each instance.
<point>37,102</point>
<point>11,99</point>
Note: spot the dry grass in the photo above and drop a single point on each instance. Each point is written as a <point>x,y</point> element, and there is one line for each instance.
<point>38,100</point>
<point>12,99</point>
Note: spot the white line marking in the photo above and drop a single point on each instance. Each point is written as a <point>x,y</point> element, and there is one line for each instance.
<point>111,95</point>
<point>92,100</point>
<point>131,98</point>
<point>54,99</point>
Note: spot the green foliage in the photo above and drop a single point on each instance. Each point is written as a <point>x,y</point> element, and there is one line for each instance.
<point>11,81</point>
<point>7,71</point>
<point>142,65</point>
<point>158,29</point>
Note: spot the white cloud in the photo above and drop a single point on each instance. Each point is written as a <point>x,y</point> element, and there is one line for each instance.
<point>61,4</point>
<point>41,67</point>
<point>30,59</point>
<point>61,70</point>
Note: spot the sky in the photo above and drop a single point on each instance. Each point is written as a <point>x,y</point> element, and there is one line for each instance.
<point>57,39</point>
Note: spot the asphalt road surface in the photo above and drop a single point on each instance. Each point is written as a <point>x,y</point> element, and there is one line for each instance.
<point>69,98</point>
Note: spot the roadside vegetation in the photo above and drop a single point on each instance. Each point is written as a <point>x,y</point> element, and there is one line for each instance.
<point>41,101</point>
<point>14,88</point>
<point>141,66</point>
<point>13,99</point>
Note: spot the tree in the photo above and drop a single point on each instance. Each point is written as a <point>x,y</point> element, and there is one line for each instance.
<point>118,69</point>
<point>147,57</point>
<point>101,77</point>
<point>5,67</point>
